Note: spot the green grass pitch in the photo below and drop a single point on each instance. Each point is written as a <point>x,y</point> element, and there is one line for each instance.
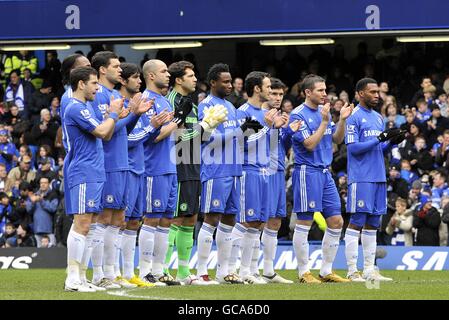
<point>36,284</point>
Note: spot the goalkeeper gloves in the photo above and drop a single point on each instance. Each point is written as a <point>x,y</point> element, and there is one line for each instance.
<point>182,111</point>
<point>213,117</point>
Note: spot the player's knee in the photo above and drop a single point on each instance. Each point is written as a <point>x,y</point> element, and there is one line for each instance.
<point>228,219</point>
<point>165,223</point>
<point>274,224</point>
<point>335,222</point>
<point>212,219</point>
<point>152,222</point>
<point>133,224</point>
<point>189,221</point>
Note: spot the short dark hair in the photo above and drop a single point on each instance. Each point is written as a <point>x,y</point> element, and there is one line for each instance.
<point>128,69</point>
<point>441,172</point>
<point>3,195</point>
<point>254,78</point>
<point>25,186</point>
<point>16,71</point>
<point>178,70</point>
<point>309,82</point>
<point>102,59</point>
<point>362,83</point>
<point>215,71</point>
<point>277,84</point>
<point>81,74</point>
<point>43,177</point>
<point>67,65</point>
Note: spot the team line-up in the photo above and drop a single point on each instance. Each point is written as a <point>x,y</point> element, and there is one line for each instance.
<point>134,166</point>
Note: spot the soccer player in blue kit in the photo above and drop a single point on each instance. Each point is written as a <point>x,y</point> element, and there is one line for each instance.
<point>116,167</point>
<point>129,88</point>
<point>313,186</point>
<point>221,170</point>
<point>160,178</point>
<point>280,143</point>
<point>84,165</point>
<point>255,199</point>
<point>367,190</point>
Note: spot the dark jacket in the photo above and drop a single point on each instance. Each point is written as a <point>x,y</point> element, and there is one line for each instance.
<point>46,136</point>
<point>28,241</point>
<point>427,224</point>
<point>39,101</point>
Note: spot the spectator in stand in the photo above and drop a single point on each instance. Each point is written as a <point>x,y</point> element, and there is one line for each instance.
<point>8,151</point>
<point>41,99</point>
<point>407,173</point>
<point>19,214</point>
<point>423,113</point>
<point>52,72</point>
<point>287,106</point>
<point>429,94</point>
<point>10,118</point>
<point>400,225</point>
<point>392,112</point>
<point>8,233</point>
<point>20,173</point>
<point>5,211</point>
<point>425,81</point>
<point>42,207</point>
<point>426,221</point>
<point>436,124</point>
<point>20,61</point>
<point>236,97</point>
<point>45,153</point>
<point>442,103</point>
<point>3,177</point>
<point>383,90</point>
<point>55,110</point>
<point>45,170</point>
<point>18,93</point>
<point>25,237</point>
<point>45,242</point>
<point>396,184</point>
<point>44,132</point>
<point>420,157</point>
<point>439,189</point>
<point>445,215</point>
<point>442,154</point>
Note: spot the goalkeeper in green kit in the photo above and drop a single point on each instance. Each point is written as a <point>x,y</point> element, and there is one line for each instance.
<point>188,150</point>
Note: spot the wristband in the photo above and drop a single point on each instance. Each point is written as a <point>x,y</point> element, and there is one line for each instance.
<point>113,116</point>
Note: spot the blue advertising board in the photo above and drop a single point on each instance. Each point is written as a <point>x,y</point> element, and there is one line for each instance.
<point>397,258</point>
<point>65,19</point>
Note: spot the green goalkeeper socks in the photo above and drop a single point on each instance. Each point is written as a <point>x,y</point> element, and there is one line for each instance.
<point>184,244</point>
<point>171,243</point>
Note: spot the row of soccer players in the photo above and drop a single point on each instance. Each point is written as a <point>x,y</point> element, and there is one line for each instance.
<point>135,161</point>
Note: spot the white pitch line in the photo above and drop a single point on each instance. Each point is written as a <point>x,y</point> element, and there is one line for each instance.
<point>127,294</point>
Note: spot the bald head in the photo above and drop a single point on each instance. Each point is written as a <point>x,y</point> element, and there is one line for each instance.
<point>156,75</point>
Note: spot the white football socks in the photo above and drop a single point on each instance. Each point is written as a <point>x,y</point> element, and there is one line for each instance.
<point>331,241</point>
<point>224,247</point>
<point>352,249</point>
<point>301,246</point>
<point>204,245</point>
<point>146,248</point>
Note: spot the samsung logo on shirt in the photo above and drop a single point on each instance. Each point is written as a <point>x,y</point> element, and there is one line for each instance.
<point>371,133</point>
<point>230,123</point>
<point>328,131</point>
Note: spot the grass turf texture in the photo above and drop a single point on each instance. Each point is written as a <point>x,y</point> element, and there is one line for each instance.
<point>47,284</point>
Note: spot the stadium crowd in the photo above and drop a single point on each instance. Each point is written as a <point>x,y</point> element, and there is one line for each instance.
<point>414,88</point>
